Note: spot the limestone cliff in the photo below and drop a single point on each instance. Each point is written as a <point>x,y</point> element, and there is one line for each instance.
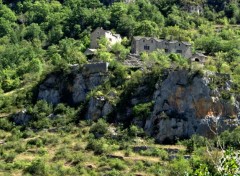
<point>71,88</point>
<point>185,104</point>
<point>182,103</point>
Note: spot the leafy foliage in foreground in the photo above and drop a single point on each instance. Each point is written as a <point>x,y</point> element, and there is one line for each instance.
<point>77,150</point>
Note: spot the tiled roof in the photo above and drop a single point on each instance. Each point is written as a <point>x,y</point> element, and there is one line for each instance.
<point>172,41</point>
<point>117,35</point>
<point>146,38</point>
<point>160,40</point>
<point>200,54</point>
<point>186,43</point>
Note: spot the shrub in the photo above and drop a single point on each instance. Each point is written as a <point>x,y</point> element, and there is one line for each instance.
<point>231,139</point>
<point>40,110</point>
<point>155,168</point>
<point>60,109</point>
<point>20,148</point>
<point>9,157</point>
<point>75,158</point>
<point>114,172</point>
<point>99,146</point>
<point>38,168</point>
<point>16,134</point>
<point>230,163</point>
<point>78,147</point>
<point>135,131</point>
<point>128,152</point>
<point>50,139</point>
<point>62,153</point>
<point>120,51</point>
<point>163,154</point>
<point>196,141</point>
<point>28,133</point>
<point>100,128</point>
<point>138,166</point>
<point>180,166</point>
<point>42,123</point>
<point>38,142</point>
<point>5,124</point>
<point>118,164</point>
<point>142,111</point>
<point>42,151</point>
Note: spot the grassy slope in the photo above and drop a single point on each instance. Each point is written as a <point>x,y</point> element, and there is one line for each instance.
<point>67,152</point>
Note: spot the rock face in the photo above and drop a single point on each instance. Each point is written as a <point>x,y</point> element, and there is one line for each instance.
<point>98,107</point>
<point>185,105</point>
<point>21,118</point>
<point>71,88</point>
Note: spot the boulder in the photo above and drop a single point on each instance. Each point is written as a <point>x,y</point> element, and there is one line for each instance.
<point>98,107</point>
<point>21,118</point>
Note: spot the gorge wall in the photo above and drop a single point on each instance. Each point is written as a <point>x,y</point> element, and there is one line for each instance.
<point>184,103</point>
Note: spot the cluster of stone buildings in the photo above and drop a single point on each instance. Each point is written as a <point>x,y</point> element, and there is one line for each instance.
<point>149,44</point>
<point>145,44</point>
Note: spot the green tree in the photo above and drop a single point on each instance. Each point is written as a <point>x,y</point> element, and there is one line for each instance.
<point>147,28</point>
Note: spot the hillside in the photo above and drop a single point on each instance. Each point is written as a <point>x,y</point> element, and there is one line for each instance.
<point>143,87</point>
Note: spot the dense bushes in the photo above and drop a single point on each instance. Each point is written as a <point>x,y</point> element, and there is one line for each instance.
<point>38,167</point>
<point>142,111</point>
<point>100,128</point>
<point>5,124</point>
<point>231,139</point>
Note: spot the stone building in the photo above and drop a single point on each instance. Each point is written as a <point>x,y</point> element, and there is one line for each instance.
<point>100,32</point>
<point>194,8</point>
<point>95,68</point>
<point>149,44</point>
<point>198,57</point>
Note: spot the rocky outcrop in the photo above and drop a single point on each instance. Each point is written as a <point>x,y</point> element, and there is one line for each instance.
<point>98,107</point>
<point>21,118</point>
<point>185,105</point>
<point>71,88</point>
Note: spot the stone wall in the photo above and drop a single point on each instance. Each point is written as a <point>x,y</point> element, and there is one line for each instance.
<point>100,32</point>
<point>198,57</point>
<point>95,36</point>
<point>198,9</point>
<point>149,44</point>
<point>95,68</point>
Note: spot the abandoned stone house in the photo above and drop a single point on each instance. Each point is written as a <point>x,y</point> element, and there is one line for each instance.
<point>194,8</point>
<point>149,44</point>
<point>100,32</point>
<point>96,35</point>
<point>198,57</point>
